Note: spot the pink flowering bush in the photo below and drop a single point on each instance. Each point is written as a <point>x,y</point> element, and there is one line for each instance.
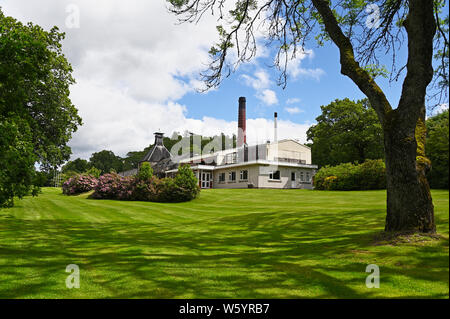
<point>146,187</point>
<point>113,186</point>
<point>79,184</point>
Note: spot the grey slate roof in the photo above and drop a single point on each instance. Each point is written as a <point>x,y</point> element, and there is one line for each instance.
<point>157,152</point>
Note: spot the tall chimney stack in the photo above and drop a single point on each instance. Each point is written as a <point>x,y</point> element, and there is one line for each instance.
<point>275,132</point>
<point>242,125</point>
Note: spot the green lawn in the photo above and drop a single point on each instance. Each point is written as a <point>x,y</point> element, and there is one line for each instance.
<point>226,244</point>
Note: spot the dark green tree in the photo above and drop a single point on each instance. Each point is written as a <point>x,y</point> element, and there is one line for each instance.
<point>36,114</point>
<point>132,159</point>
<point>106,161</point>
<point>16,160</point>
<point>362,40</point>
<point>437,149</point>
<point>346,131</point>
<point>79,165</point>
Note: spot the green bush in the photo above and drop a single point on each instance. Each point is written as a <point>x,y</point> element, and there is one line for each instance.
<point>93,171</point>
<point>187,183</point>
<point>145,171</point>
<point>369,175</point>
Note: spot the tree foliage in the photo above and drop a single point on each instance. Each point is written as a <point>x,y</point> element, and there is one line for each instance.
<point>106,161</point>
<point>145,171</point>
<point>437,149</point>
<point>79,165</point>
<point>348,176</point>
<point>36,114</point>
<point>16,160</point>
<point>346,132</point>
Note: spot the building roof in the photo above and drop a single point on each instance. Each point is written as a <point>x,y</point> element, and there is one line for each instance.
<point>256,162</point>
<point>157,152</point>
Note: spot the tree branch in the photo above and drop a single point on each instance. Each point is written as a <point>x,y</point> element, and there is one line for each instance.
<point>420,26</point>
<point>349,66</point>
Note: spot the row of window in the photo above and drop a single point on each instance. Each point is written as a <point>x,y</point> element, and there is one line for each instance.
<point>243,176</point>
<point>276,176</point>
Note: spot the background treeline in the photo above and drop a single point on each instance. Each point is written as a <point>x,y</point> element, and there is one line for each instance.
<point>106,161</point>
<point>348,133</point>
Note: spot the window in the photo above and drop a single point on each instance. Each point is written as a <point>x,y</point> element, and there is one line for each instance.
<point>302,177</point>
<point>308,177</point>
<point>274,175</point>
<point>221,177</point>
<point>244,175</point>
<point>231,158</point>
<point>232,176</point>
<point>293,176</point>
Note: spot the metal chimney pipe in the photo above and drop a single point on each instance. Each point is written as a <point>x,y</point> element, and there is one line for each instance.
<point>275,133</point>
<point>242,123</point>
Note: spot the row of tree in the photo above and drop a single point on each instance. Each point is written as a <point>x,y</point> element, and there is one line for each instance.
<point>349,132</point>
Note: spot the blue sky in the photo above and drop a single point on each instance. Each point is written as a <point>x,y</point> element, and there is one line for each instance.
<point>311,92</point>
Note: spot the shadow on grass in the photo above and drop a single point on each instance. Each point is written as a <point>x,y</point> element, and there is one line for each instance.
<point>262,255</point>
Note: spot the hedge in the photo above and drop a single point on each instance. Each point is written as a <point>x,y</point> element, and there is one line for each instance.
<point>369,175</point>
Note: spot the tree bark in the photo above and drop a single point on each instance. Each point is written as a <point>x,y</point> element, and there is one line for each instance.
<point>409,203</point>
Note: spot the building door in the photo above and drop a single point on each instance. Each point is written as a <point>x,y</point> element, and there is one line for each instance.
<point>205,180</point>
<point>293,180</point>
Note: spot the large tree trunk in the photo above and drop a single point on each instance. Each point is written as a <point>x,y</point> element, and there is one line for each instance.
<point>409,203</point>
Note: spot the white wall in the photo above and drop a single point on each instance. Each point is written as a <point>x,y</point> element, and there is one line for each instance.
<point>253,172</point>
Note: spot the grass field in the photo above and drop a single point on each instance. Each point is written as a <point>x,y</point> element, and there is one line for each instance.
<point>225,244</point>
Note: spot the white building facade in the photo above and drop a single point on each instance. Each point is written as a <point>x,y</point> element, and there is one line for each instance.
<point>283,164</point>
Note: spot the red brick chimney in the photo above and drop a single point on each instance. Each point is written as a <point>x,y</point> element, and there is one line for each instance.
<point>242,123</point>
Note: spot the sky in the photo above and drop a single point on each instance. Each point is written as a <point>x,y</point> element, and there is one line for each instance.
<point>138,72</point>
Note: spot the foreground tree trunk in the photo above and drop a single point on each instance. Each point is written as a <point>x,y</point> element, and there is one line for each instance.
<point>409,203</point>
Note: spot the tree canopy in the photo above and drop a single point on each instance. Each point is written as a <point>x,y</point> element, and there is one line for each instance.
<point>437,149</point>
<point>106,161</point>
<point>37,117</point>
<point>79,166</point>
<point>346,131</point>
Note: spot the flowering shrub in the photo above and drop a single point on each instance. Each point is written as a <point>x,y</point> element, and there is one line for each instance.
<point>146,187</point>
<point>79,184</point>
<point>113,186</point>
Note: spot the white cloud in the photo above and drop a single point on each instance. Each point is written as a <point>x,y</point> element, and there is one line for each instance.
<point>293,100</point>
<point>134,45</point>
<point>124,124</point>
<point>261,83</point>
<point>295,69</point>
<point>268,97</point>
<point>293,110</point>
<point>132,63</point>
<point>441,108</point>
